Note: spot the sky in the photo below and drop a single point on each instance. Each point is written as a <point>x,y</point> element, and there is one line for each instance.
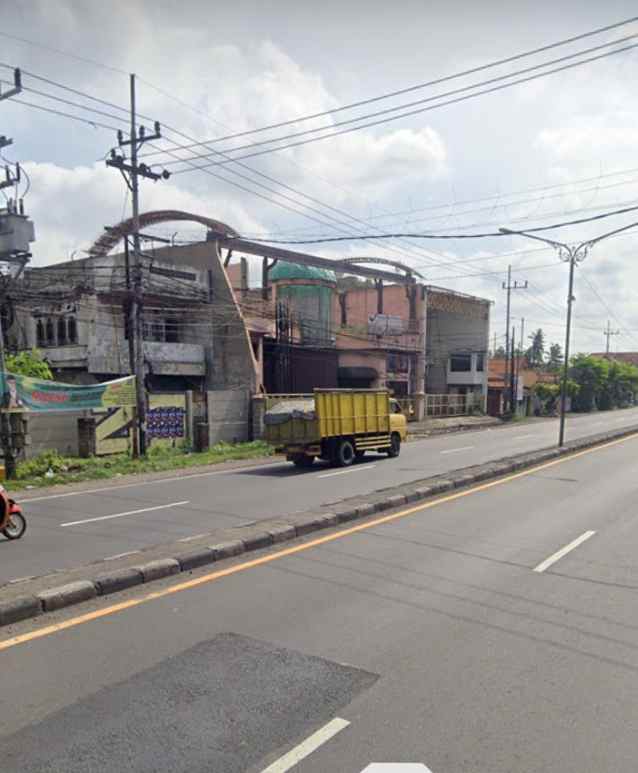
<point>553,149</point>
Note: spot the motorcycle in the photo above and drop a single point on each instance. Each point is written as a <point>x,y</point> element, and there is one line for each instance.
<point>13,524</point>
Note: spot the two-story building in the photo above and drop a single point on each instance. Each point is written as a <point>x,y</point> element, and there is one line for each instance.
<point>206,329</point>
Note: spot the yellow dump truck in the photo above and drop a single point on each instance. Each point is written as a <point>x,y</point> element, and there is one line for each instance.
<point>337,425</point>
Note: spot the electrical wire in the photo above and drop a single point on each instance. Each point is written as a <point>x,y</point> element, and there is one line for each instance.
<point>601,216</point>
<point>428,84</point>
<point>90,122</point>
<point>389,118</point>
<point>78,58</point>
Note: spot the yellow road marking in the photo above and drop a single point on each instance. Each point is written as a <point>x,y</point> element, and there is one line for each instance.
<point>194,583</point>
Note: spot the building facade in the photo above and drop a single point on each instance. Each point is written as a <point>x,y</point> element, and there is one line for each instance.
<point>206,329</point>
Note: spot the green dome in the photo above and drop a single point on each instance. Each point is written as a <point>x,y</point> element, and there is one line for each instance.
<point>284,270</point>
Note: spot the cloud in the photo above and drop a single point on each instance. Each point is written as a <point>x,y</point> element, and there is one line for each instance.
<point>249,64</point>
<point>71,206</point>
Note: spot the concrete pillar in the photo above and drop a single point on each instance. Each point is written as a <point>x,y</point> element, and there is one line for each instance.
<point>258,409</point>
<point>189,419</point>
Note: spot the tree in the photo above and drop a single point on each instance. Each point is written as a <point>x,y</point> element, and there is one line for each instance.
<point>500,353</point>
<point>536,352</point>
<point>591,374</point>
<point>29,363</point>
<point>555,359</point>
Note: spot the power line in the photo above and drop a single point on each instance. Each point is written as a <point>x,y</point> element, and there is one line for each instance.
<point>504,205</point>
<point>437,81</point>
<point>606,306</point>
<point>389,118</point>
<point>90,122</point>
<point>242,176</point>
<point>78,58</point>
<point>600,216</point>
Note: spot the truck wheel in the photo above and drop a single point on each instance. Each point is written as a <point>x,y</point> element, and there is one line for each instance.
<point>344,455</point>
<point>395,445</point>
<point>303,461</point>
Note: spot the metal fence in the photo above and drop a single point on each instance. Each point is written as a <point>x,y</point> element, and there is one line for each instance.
<point>453,405</point>
<point>409,407</point>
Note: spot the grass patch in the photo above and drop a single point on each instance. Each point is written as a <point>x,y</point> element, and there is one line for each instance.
<point>51,468</point>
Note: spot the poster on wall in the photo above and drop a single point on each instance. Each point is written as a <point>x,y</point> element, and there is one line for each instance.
<point>22,393</point>
<point>165,422</point>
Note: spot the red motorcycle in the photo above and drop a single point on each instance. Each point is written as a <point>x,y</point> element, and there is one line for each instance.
<point>12,523</point>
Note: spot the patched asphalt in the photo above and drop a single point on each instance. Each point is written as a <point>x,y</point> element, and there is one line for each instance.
<point>220,706</point>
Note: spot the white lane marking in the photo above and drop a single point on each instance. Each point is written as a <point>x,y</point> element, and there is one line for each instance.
<point>234,470</point>
<point>563,551</point>
<point>457,450</point>
<point>307,747</point>
<point>128,512</point>
<point>189,539</point>
<point>360,468</point>
<point>522,437</point>
<point>122,555</point>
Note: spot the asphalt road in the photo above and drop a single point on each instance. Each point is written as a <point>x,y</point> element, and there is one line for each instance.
<point>110,520</point>
<point>495,632</point>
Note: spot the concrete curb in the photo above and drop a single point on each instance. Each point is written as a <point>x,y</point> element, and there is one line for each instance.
<point>266,533</point>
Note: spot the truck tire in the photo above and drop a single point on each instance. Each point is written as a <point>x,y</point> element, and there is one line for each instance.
<point>303,461</point>
<point>395,445</point>
<point>344,454</point>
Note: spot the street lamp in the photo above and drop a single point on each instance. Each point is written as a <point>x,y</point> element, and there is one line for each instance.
<point>572,255</point>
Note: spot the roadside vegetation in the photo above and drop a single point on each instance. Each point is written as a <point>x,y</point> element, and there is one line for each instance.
<point>594,384</point>
<point>29,363</point>
<point>51,468</point>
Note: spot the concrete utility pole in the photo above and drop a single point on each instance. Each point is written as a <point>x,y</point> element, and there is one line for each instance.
<point>509,287</point>
<point>568,254</point>
<point>512,385</point>
<point>522,351</point>
<point>131,174</point>
<point>6,439</point>
<point>608,334</point>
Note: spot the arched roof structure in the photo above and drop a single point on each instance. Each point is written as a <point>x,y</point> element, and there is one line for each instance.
<point>111,238</point>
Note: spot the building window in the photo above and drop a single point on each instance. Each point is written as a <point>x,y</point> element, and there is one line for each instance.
<point>397,363</point>
<point>460,363</point>
<point>165,330</point>
<point>480,362</point>
<point>61,331</point>
<point>39,332</point>
<point>50,333</point>
<point>72,330</point>
<point>171,329</point>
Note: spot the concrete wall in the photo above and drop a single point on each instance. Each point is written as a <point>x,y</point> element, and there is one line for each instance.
<point>454,325</point>
<point>53,431</point>
<point>228,415</point>
<point>173,359</point>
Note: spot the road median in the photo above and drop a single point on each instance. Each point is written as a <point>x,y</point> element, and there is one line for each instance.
<point>36,596</point>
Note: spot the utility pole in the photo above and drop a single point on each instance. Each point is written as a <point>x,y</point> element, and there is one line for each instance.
<point>131,174</point>
<point>509,287</point>
<point>571,254</point>
<point>513,374</point>
<point>608,332</point>
<point>522,353</point>
<point>6,439</point>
